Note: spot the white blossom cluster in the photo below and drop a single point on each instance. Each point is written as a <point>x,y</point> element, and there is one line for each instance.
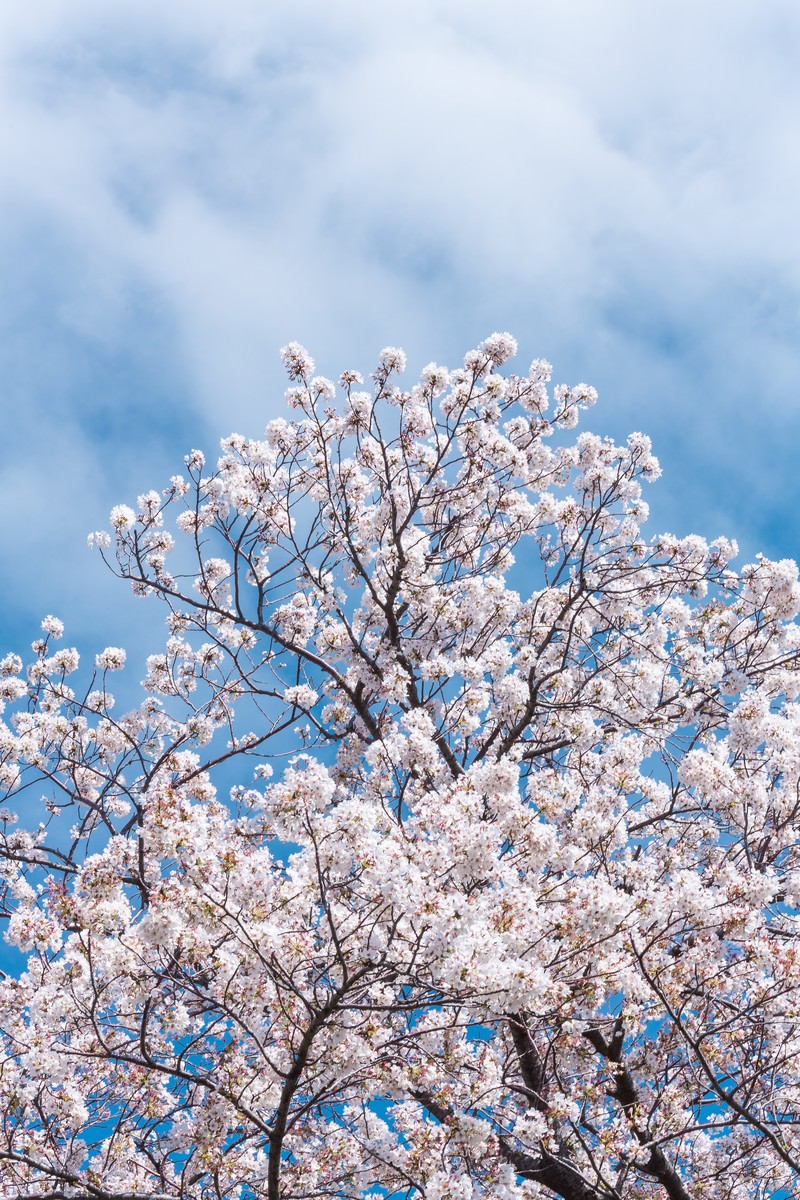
<point>505,903</point>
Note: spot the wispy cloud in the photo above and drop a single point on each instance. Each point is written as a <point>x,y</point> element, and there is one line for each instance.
<point>187,186</point>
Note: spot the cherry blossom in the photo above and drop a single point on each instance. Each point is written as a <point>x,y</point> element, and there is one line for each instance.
<point>451,849</point>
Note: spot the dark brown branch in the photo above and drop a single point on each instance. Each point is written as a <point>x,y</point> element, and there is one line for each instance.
<point>624,1090</point>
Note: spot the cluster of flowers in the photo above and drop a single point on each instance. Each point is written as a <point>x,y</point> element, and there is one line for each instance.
<point>519,917</point>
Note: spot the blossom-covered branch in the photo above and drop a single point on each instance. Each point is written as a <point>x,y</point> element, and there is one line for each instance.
<point>451,851</point>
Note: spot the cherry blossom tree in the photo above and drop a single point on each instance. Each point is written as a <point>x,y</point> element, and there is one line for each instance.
<point>452,849</point>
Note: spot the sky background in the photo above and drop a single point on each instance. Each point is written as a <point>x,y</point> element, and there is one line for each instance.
<point>186,186</point>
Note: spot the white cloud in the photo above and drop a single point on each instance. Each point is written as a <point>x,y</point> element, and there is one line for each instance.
<point>617,183</point>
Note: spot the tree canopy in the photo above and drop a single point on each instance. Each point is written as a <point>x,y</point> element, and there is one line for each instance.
<point>451,851</point>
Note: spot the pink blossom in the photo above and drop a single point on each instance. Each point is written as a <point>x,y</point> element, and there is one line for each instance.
<point>451,848</point>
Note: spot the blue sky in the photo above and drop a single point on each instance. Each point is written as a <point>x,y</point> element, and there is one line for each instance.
<point>185,186</point>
